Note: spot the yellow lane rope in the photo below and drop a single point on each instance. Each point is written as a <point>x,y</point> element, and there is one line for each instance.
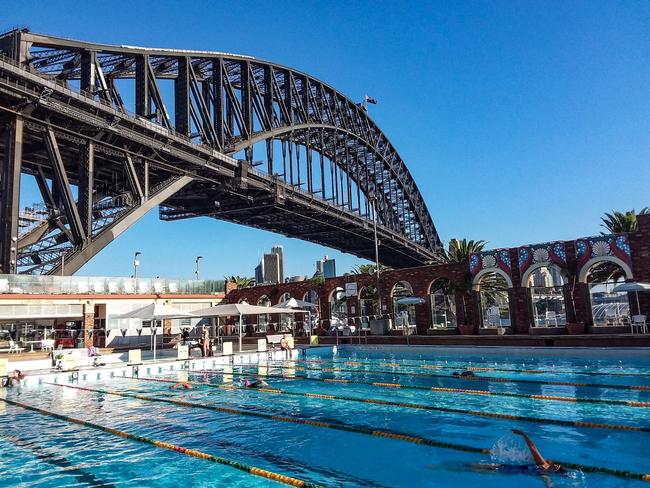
<point>166,445</point>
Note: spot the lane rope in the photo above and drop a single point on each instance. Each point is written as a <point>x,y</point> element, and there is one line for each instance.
<point>420,406</point>
<point>469,378</point>
<point>345,427</point>
<point>288,480</point>
<point>470,368</point>
<point>358,429</point>
<point>436,389</point>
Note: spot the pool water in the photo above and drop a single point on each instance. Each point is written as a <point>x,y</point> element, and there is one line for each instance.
<point>410,446</point>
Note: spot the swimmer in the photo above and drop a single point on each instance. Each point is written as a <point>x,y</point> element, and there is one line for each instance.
<point>540,462</point>
<point>14,380</point>
<point>464,374</point>
<point>255,384</point>
<point>181,384</point>
<point>541,467</point>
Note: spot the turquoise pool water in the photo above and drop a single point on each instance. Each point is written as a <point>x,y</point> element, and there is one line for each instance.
<point>40,451</point>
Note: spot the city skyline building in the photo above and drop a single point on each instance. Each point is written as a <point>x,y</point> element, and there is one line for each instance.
<point>279,250</point>
<point>259,273</point>
<point>326,267</point>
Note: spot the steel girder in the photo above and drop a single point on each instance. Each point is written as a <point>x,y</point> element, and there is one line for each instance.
<point>223,105</point>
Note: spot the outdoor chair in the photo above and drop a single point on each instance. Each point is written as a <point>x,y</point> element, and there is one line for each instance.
<point>13,347</point>
<point>551,318</point>
<point>639,322</point>
<point>4,286</point>
<point>47,345</point>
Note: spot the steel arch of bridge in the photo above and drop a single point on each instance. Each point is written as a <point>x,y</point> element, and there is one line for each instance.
<point>232,106</point>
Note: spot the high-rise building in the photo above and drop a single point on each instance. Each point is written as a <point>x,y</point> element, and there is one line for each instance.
<point>259,273</point>
<point>326,267</point>
<point>279,251</point>
<point>271,266</point>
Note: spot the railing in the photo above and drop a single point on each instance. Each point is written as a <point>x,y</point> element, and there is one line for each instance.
<point>105,285</point>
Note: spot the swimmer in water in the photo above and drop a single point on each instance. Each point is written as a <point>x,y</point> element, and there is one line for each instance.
<point>14,380</point>
<point>181,384</point>
<point>464,374</point>
<point>255,384</point>
<point>541,467</point>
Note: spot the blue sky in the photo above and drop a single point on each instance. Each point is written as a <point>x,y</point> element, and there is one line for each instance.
<point>521,122</point>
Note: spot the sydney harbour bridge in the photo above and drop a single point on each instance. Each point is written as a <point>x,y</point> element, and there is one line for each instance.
<point>108,133</point>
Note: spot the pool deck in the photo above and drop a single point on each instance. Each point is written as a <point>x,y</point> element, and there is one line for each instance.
<point>564,340</point>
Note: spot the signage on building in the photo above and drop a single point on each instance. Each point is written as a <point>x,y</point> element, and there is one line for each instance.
<point>350,289</point>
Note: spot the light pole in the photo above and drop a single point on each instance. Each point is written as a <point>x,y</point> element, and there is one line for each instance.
<point>63,263</point>
<point>136,263</point>
<point>13,265</point>
<point>196,271</point>
<point>374,218</point>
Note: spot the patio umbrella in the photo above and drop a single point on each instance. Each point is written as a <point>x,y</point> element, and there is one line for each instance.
<point>636,287</point>
<point>294,303</point>
<point>410,301</point>
<point>239,310</point>
<point>156,311</point>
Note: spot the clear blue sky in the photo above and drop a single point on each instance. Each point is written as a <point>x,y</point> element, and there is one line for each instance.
<point>521,121</point>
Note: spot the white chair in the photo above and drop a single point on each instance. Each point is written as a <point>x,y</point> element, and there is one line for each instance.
<point>551,318</point>
<point>639,322</point>
<point>158,287</point>
<point>112,287</point>
<point>143,287</point>
<point>82,287</point>
<point>128,287</point>
<point>47,345</point>
<point>13,347</point>
<point>173,287</point>
<point>98,287</point>
<point>4,286</point>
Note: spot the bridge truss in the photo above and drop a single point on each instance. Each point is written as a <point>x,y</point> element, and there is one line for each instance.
<point>110,132</point>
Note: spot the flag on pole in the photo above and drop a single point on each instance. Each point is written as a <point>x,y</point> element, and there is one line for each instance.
<point>370,100</point>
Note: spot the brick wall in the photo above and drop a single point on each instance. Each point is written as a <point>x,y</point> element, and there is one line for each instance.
<point>421,278</point>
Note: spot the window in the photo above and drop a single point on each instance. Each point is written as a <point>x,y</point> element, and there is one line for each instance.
<point>404,315</point>
<point>443,305</point>
<point>608,308</point>
<point>494,303</point>
<point>546,288</point>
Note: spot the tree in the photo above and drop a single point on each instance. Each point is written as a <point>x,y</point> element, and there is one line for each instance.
<point>317,280</point>
<point>459,250</point>
<point>617,222</point>
<point>368,269</point>
<point>240,281</point>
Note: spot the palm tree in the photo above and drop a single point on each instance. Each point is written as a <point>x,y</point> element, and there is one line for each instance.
<point>459,250</point>
<point>369,269</point>
<point>617,222</point>
<point>240,281</point>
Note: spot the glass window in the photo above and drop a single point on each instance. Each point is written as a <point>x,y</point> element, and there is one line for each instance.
<point>443,305</point>
<point>608,308</point>
<point>545,285</point>
<point>494,303</point>
<point>404,315</point>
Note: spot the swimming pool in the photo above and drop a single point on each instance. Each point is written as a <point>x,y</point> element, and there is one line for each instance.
<point>365,416</point>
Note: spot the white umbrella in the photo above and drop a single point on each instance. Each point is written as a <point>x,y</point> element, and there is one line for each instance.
<point>156,311</point>
<point>633,286</point>
<point>294,303</point>
<point>240,309</point>
<point>410,301</point>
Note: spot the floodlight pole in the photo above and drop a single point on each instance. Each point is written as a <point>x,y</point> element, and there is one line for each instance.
<point>374,215</point>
